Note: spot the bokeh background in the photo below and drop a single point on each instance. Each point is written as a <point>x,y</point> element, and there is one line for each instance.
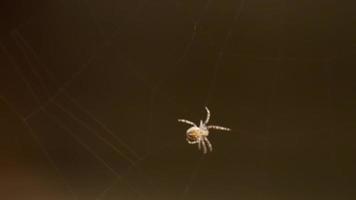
<point>90,94</point>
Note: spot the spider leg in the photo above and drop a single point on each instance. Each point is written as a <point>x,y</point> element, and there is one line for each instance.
<point>199,145</point>
<point>187,122</point>
<point>204,146</point>
<point>207,115</point>
<point>218,128</point>
<point>209,144</point>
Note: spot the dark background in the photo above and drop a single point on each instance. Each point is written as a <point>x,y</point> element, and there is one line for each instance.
<point>91,92</point>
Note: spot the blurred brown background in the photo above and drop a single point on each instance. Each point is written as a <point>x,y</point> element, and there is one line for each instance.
<point>91,91</point>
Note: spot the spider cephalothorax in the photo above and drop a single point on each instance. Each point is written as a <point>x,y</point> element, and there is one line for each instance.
<point>199,134</point>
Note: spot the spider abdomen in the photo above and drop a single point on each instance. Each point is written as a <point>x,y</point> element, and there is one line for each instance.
<point>191,137</point>
<point>194,134</point>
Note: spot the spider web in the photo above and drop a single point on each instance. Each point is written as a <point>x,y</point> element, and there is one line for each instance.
<point>98,87</point>
<point>47,92</point>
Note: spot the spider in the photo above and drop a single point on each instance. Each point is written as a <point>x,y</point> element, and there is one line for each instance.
<point>199,134</point>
